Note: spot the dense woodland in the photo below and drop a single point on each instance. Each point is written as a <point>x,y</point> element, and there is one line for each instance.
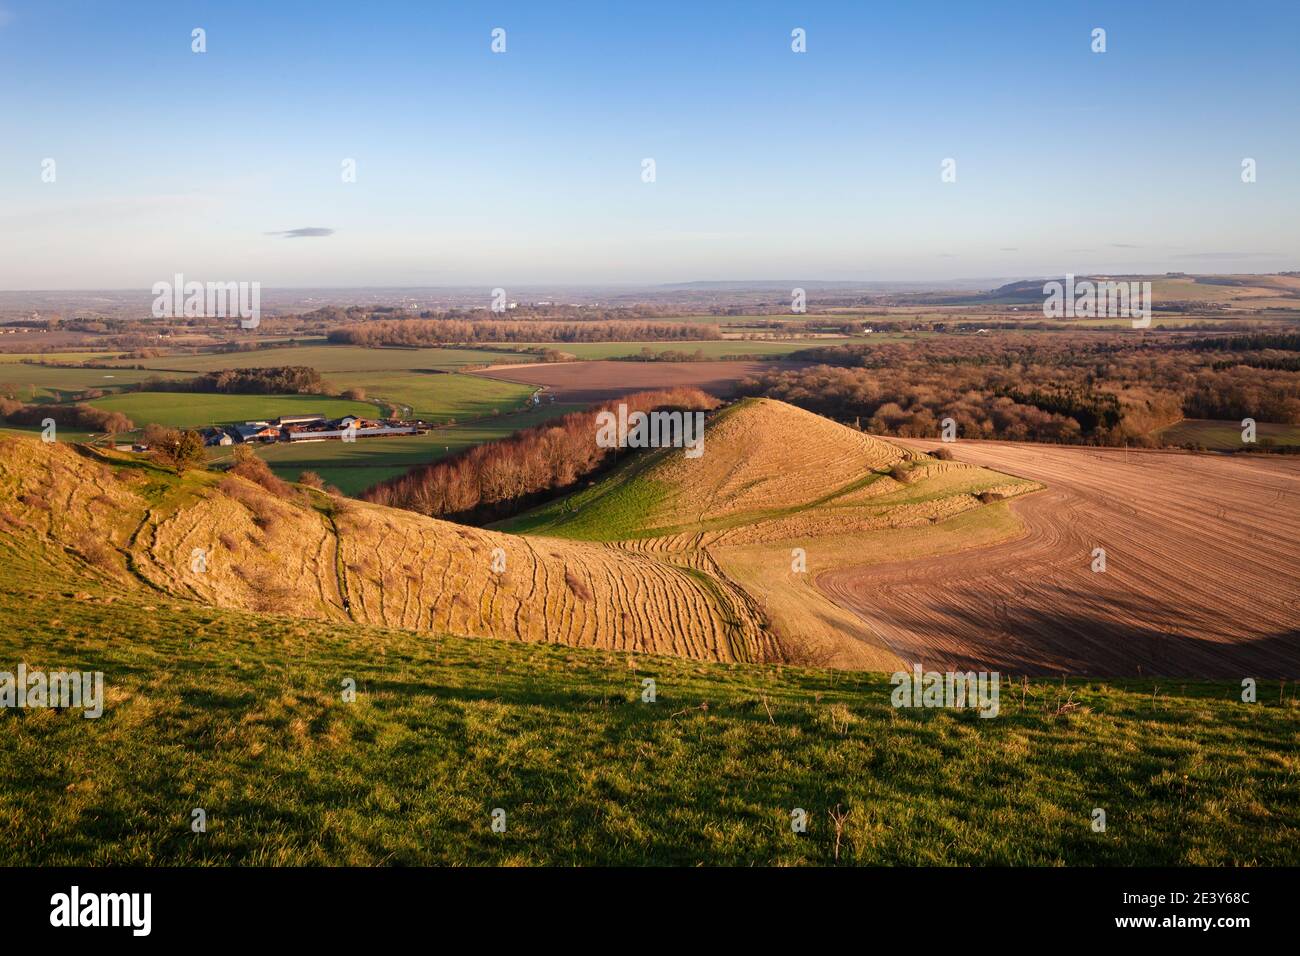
<point>501,478</point>
<point>1093,389</point>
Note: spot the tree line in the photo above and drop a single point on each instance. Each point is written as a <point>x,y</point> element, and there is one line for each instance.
<point>76,416</point>
<point>501,478</point>
<point>431,333</point>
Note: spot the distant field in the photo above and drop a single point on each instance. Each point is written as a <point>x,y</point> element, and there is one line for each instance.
<point>437,396</point>
<point>7,357</point>
<point>355,466</point>
<point>326,359</point>
<point>1250,292</point>
<point>1226,435</point>
<point>715,349</point>
<point>189,410</point>
<point>60,384</point>
<point>589,382</point>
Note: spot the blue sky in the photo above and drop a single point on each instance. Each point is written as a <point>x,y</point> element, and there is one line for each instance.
<point>525,167</point>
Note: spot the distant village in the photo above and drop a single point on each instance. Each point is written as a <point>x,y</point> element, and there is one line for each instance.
<point>302,428</point>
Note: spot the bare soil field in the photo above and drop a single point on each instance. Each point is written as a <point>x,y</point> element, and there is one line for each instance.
<point>590,382</point>
<point>1201,579</point>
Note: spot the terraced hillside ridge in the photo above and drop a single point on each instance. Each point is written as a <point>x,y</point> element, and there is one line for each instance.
<point>779,496</point>
<point>1200,578</point>
<point>226,541</point>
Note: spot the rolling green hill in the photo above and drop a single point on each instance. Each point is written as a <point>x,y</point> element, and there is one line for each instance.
<point>768,471</point>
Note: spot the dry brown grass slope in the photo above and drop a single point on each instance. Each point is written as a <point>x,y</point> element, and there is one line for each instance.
<point>763,455</point>
<point>228,542</point>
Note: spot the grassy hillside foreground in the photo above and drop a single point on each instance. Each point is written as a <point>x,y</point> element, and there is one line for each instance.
<point>243,715</point>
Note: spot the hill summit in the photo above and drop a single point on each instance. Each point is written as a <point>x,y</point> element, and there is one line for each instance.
<point>763,454</point>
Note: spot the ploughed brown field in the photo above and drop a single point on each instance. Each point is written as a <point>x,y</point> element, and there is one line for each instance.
<point>589,382</point>
<point>1202,571</point>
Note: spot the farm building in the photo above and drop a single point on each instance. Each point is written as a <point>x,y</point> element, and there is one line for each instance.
<point>256,431</point>
<point>362,429</point>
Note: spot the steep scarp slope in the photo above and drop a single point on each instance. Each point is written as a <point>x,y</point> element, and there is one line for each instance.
<point>228,542</point>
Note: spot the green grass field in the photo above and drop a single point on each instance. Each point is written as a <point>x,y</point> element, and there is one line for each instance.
<point>614,507</point>
<point>61,384</point>
<point>1226,435</point>
<point>195,409</point>
<point>437,396</point>
<point>242,715</point>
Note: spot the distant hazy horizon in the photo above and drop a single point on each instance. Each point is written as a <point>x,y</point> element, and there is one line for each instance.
<point>526,167</point>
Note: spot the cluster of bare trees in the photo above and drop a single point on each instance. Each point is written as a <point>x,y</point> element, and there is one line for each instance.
<point>80,417</point>
<point>500,478</point>
<point>1098,389</point>
<point>427,333</point>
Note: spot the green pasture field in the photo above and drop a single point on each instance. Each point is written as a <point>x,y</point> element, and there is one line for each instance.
<point>437,396</point>
<point>196,409</point>
<point>62,384</point>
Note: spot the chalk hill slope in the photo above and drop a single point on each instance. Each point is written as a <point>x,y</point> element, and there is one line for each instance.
<point>779,496</point>
<point>228,542</point>
<point>769,472</point>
